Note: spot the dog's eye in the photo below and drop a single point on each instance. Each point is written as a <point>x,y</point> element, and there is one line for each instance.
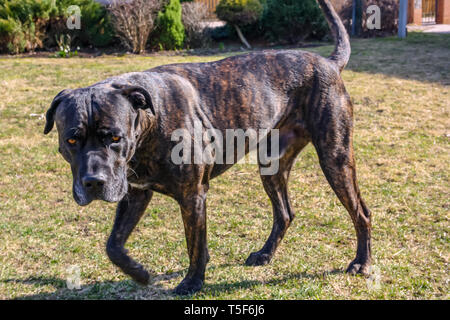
<point>71,141</point>
<point>115,138</point>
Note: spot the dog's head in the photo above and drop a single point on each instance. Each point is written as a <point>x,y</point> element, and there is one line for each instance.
<point>98,128</point>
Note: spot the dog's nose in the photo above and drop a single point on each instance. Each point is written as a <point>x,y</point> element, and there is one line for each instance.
<point>93,183</point>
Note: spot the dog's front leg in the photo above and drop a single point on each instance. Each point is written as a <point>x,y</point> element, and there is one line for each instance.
<point>193,210</point>
<point>129,211</point>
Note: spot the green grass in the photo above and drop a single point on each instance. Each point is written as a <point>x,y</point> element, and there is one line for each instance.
<point>401,96</point>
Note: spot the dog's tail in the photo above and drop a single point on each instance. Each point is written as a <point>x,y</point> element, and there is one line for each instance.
<point>341,53</point>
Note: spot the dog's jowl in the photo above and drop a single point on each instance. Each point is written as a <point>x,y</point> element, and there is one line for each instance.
<point>117,136</point>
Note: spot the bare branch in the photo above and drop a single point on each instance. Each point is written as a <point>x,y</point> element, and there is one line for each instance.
<point>133,20</point>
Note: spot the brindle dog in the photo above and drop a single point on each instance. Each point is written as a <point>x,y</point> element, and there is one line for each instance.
<point>116,135</point>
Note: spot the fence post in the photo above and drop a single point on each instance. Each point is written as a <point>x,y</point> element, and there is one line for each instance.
<point>356,17</point>
<point>402,19</point>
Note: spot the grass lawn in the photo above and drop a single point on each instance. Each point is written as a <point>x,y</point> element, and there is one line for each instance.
<point>401,95</point>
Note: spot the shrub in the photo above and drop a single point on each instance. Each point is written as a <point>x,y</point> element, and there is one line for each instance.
<point>26,25</point>
<point>170,26</point>
<point>221,33</point>
<point>293,20</point>
<point>11,36</point>
<point>23,23</point>
<point>96,24</point>
<point>133,21</point>
<point>192,15</point>
<point>95,29</point>
<point>64,45</point>
<point>239,13</point>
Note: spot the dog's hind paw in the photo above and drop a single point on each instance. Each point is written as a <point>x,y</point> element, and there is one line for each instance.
<point>258,259</point>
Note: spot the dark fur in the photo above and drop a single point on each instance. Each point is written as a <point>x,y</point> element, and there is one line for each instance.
<point>299,93</point>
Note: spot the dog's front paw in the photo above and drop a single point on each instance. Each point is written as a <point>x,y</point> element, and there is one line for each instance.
<point>189,286</point>
<point>140,275</point>
<point>358,267</point>
<point>258,259</point>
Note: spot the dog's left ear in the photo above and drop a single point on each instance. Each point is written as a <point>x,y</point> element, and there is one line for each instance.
<point>50,115</point>
<point>138,96</point>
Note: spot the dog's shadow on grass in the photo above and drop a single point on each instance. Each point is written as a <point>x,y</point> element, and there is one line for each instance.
<point>215,289</point>
<point>57,289</point>
<point>128,289</point>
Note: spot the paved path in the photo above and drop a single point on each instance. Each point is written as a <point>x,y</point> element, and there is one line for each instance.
<point>213,23</point>
<point>432,28</point>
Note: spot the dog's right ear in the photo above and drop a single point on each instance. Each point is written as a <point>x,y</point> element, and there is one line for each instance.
<point>138,96</point>
<point>50,115</point>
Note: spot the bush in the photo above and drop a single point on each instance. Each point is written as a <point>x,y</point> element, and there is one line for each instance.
<point>133,21</point>
<point>26,25</point>
<point>96,24</point>
<point>11,36</point>
<point>192,15</point>
<point>96,29</point>
<point>170,26</point>
<point>239,13</point>
<point>221,33</point>
<point>64,45</point>
<point>23,23</point>
<point>293,20</point>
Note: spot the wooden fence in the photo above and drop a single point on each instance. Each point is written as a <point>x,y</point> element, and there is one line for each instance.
<point>211,5</point>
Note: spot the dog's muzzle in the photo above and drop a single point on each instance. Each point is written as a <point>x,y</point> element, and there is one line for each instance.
<point>96,187</point>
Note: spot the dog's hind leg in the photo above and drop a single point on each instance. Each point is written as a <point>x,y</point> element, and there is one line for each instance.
<point>276,187</point>
<point>129,211</point>
<point>332,138</point>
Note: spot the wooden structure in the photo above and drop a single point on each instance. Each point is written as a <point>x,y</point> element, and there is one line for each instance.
<point>429,12</point>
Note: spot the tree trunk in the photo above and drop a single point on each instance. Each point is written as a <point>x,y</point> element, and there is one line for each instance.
<point>241,37</point>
